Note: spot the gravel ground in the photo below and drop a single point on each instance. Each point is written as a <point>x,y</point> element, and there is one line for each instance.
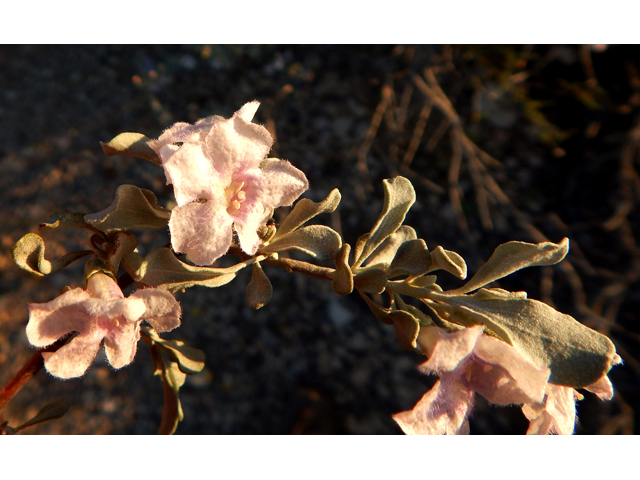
<point>562,122</point>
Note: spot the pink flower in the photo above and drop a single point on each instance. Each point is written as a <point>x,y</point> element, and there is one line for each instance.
<point>100,312</point>
<point>469,362</point>
<point>221,180</point>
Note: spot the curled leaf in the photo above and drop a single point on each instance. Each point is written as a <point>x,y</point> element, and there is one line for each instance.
<point>305,210</point>
<point>449,261</point>
<point>161,268</point>
<point>399,195</point>
<point>512,256</point>
<point>259,289</point>
<point>124,245</point>
<point>318,241</point>
<point>133,207</point>
<point>131,144</point>
<point>28,253</point>
<point>342,282</point>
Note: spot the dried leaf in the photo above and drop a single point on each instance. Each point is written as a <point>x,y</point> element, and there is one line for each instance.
<point>342,282</point>
<point>133,207</point>
<point>305,210</point>
<point>259,289</point>
<point>28,253</point>
<point>318,241</point>
<point>399,195</point>
<point>449,261</point>
<point>577,355</point>
<point>512,256</point>
<point>161,268</point>
<point>131,144</point>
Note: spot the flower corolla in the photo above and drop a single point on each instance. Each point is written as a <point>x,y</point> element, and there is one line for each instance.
<point>468,362</point>
<point>99,312</point>
<point>222,180</point>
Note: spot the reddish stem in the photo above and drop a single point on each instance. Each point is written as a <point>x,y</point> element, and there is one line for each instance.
<point>27,372</point>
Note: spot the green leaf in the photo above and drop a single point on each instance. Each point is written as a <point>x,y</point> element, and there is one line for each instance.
<point>449,261</point>
<point>161,268</point>
<point>577,355</point>
<point>370,280</point>
<point>399,195</point>
<point>131,144</point>
<point>190,360</point>
<point>342,282</point>
<point>407,328</point>
<point>318,241</point>
<point>67,219</point>
<point>259,289</point>
<point>124,245</point>
<point>379,312</point>
<point>133,207</point>
<point>49,412</point>
<point>512,256</point>
<point>172,380</point>
<point>305,210</point>
<point>386,251</point>
<point>412,259</point>
<point>28,253</point>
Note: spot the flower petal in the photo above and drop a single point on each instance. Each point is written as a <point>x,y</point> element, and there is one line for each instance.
<point>504,376</point>
<point>163,310</point>
<point>449,350</point>
<point>557,414</point>
<point>50,321</point>
<point>202,231</point>
<point>73,359</point>
<point>237,144</point>
<point>192,175</point>
<point>443,410</point>
<point>121,344</point>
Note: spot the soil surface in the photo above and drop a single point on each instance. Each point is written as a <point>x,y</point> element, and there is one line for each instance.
<point>557,141</point>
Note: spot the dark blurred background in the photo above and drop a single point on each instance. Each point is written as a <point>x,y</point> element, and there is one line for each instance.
<point>501,142</point>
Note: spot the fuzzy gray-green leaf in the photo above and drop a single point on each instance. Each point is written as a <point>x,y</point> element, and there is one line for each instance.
<point>305,210</point>
<point>342,282</point>
<point>399,196</point>
<point>131,144</point>
<point>448,261</point>
<point>28,253</point>
<point>512,256</point>
<point>318,241</point>
<point>407,328</point>
<point>370,280</point>
<point>386,251</point>
<point>577,355</point>
<point>161,268</point>
<point>412,258</point>
<point>133,207</point>
<point>259,289</point>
